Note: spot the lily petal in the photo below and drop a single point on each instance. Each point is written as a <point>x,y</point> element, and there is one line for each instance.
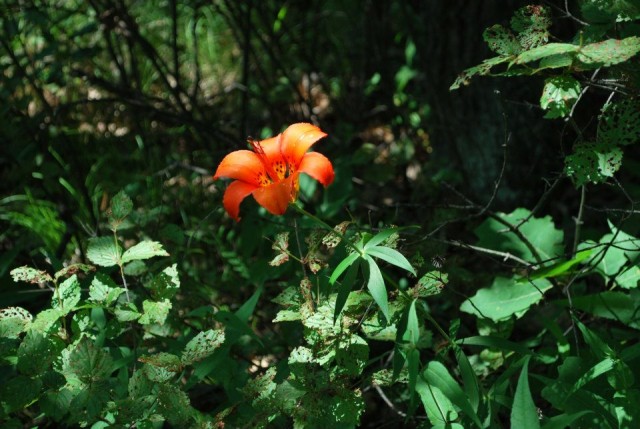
<point>317,166</point>
<point>242,165</point>
<point>233,196</point>
<point>297,139</point>
<point>277,196</point>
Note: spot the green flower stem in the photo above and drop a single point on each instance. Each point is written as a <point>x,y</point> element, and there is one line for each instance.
<point>327,227</point>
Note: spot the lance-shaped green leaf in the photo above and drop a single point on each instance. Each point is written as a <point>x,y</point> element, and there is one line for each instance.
<point>342,266</point>
<point>437,375</point>
<point>392,256</point>
<point>523,412</point>
<point>376,286</point>
<point>143,250</point>
<point>380,237</point>
<point>439,408</point>
<point>345,288</point>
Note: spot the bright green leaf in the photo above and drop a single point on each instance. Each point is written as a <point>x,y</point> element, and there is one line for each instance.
<point>376,286</point>
<point>143,250</point>
<point>104,251</point>
<point>523,412</point>
<point>202,345</point>
<point>14,321</point>
<point>392,256</point>
<point>154,311</point>
<point>559,95</point>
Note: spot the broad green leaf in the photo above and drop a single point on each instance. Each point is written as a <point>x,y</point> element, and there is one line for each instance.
<point>18,392</point>
<point>439,408</point>
<point>619,123</point>
<point>609,52</point>
<point>135,268</point>
<point>30,275</point>
<point>540,232</point>
<point>86,362</point>
<point>154,311</point>
<point>202,345</point>
<point>37,352</point>
<point>165,360</point>
<point>103,290</point>
<point>559,95</point>
<point>121,206</point>
<point>523,412</point>
<point>104,251</point>
<point>342,266</point>
<point>429,284</point>
<point>619,306</point>
<point>46,319</point>
<point>345,288</point>
<point>126,312</point>
<point>593,162</point>
<point>143,250</point>
<point>14,321</point>
<point>628,279</point>
<point>436,374</point>
<point>548,50</point>
<point>174,405</point>
<point>505,298</point>
<point>501,40</point>
<point>376,286</point>
<point>69,294</point>
<point>166,284</point>
<point>392,256</point>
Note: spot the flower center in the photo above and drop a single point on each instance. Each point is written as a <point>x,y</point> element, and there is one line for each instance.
<point>276,171</point>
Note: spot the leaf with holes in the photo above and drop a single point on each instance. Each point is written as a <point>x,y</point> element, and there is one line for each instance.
<point>593,162</point>
<point>86,362</point>
<point>14,321</point>
<point>609,52</point>
<point>501,41</point>
<point>481,69</point>
<point>154,311</point>
<point>619,123</point>
<point>30,275</point>
<point>202,345</point>
<point>506,297</point>
<point>559,95</point>
<point>166,284</point>
<point>69,294</point>
<point>103,290</point>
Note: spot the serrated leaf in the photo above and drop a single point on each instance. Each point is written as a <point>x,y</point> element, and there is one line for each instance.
<point>593,163</point>
<point>429,284</point>
<point>501,41</point>
<point>523,412</point>
<point>46,319</point>
<point>559,95</point>
<point>37,352</point>
<point>69,294</point>
<point>143,250</point>
<point>121,206</point>
<point>126,312</point>
<point>14,321</point>
<point>202,345</point>
<point>18,392</point>
<point>135,268</point>
<point>391,256</point>
<point>104,251</point>
<point>174,405</point>
<point>103,290</point>
<point>544,51</point>
<point>166,284</point>
<point>165,360</point>
<point>609,52</point>
<point>73,269</point>
<point>619,123</point>
<point>279,260</point>
<point>154,312</point>
<point>505,298</point>
<point>86,362</point>
<point>30,275</point>
<point>376,286</point>
<point>481,69</point>
<point>531,17</point>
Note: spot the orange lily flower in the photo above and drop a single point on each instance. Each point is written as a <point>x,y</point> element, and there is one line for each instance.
<point>270,173</point>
